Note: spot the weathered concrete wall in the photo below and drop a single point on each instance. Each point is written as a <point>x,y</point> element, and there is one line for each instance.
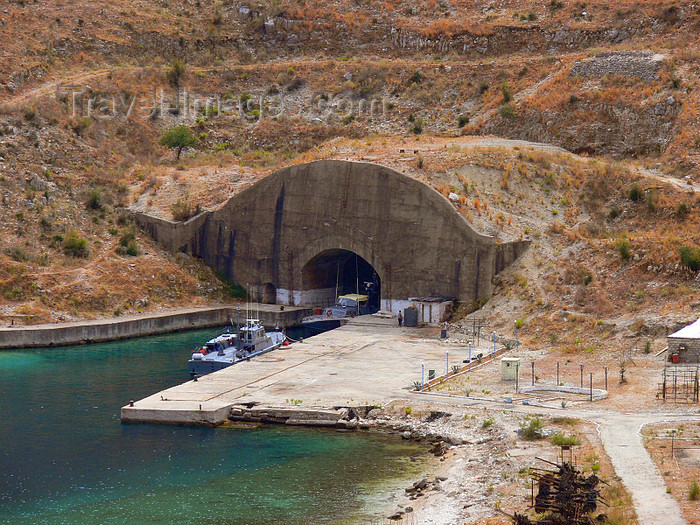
<point>124,328</point>
<point>110,329</point>
<point>415,240</point>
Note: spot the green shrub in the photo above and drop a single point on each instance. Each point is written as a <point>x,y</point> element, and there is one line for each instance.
<point>74,245</point>
<point>176,72</point>
<point>694,492</point>
<point>562,440</point>
<point>462,121</point>
<point>29,113</point>
<point>623,248</point>
<point>128,244</point>
<point>80,125</point>
<point>18,254</point>
<point>682,210</point>
<point>531,430</point>
<point>505,92</point>
<point>417,126</point>
<point>651,200</point>
<point>564,420</point>
<point>94,199</point>
<point>487,423</point>
<point>506,111</point>
<point>635,193</point>
<point>417,77</point>
<point>182,210</point>
<point>690,257</point>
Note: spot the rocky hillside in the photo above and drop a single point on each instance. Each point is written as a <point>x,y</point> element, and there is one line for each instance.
<point>87,90</point>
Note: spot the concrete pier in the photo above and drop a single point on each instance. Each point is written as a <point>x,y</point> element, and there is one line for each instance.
<point>59,334</point>
<point>369,361</point>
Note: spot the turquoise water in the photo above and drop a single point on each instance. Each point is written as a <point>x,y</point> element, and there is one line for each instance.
<point>66,458</point>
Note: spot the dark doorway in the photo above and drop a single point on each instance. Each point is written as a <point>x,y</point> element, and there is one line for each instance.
<point>269,294</point>
<point>339,272</point>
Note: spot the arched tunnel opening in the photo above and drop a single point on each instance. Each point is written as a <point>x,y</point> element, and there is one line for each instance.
<point>338,272</point>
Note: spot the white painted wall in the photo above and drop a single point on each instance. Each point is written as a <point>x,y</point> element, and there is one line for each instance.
<point>288,297</point>
<point>394,305</point>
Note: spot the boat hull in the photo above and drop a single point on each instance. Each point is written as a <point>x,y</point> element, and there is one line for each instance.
<point>213,362</point>
<point>321,325</point>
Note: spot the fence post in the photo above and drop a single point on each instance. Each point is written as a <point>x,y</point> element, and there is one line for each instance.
<point>470,356</point>
<point>673,436</point>
<point>581,376</point>
<point>447,364</point>
<point>533,373</point>
<point>606,378</point>
<point>422,376</point>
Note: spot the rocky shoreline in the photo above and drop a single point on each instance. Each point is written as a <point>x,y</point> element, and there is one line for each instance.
<point>468,460</point>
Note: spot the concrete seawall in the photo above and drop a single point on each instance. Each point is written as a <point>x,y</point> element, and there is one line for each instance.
<point>143,325</point>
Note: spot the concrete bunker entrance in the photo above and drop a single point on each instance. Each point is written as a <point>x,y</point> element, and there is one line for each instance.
<point>339,272</point>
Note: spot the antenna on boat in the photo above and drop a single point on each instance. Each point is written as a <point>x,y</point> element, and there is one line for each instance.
<point>357,277</point>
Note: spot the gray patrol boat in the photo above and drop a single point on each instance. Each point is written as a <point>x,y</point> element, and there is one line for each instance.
<point>230,348</point>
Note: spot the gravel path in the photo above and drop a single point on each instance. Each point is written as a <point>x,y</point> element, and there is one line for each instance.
<point>620,434</point>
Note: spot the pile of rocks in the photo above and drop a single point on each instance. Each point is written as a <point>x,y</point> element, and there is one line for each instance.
<point>640,64</point>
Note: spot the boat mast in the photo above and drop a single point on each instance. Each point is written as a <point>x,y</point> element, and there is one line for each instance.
<point>337,277</point>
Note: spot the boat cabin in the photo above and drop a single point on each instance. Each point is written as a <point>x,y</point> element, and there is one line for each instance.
<point>251,334</point>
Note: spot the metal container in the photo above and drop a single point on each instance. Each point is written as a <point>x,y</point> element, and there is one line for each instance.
<point>410,316</point>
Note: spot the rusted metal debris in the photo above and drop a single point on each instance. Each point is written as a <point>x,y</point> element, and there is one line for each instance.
<point>564,496</point>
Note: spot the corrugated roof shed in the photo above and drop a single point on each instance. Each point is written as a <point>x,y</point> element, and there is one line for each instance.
<point>692,331</point>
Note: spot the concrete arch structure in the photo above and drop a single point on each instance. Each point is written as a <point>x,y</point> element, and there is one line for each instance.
<point>412,236</point>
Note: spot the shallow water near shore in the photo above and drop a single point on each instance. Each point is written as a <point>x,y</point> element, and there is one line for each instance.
<point>66,458</point>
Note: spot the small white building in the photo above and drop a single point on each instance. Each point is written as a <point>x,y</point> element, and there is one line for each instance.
<point>684,345</point>
<point>510,368</point>
<point>432,310</point>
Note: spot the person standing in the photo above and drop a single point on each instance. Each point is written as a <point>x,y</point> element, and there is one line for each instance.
<point>400,318</point>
